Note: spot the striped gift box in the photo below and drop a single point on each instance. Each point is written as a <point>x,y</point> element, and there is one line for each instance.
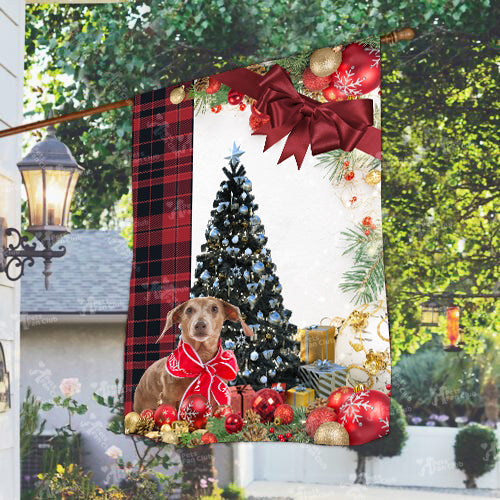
<point>323,376</point>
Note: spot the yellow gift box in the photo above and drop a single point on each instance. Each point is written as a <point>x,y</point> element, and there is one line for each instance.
<point>317,342</point>
<point>299,396</point>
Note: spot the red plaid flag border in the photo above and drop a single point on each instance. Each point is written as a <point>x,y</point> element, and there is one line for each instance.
<point>162,172</point>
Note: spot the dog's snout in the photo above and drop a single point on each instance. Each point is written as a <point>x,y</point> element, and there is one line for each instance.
<point>200,327</point>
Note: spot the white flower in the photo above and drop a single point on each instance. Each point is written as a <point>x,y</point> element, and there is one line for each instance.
<point>114,452</point>
<point>70,386</point>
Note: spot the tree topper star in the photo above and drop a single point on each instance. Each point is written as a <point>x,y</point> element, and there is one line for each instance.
<point>234,154</point>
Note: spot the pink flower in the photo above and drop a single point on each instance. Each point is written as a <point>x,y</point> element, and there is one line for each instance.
<point>114,452</point>
<point>203,483</point>
<point>70,387</point>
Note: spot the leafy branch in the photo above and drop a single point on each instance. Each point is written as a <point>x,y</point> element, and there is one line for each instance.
<point>366,278</point>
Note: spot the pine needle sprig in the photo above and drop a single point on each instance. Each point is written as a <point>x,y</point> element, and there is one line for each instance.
<point>366,278</point>
<point>204,102</point>
<point>295,65</point>
<point>370,41</point>
<point>333,162</point>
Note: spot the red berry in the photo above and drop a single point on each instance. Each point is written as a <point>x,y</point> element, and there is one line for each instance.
<point>288,435</point>
<point>367,232</point>
<point>367,221</point>
<point>388,387</point>
<point>313,82</point>
<point>354,199</point>
<point>346,163</point>
<point>271,429</point>
<point>213,86</point>
<point>216,109</point>
<point>281,436</point>
<point>373,226</point>
<point>349,176</point>
<point>389,393</point>
<point>243,106</point>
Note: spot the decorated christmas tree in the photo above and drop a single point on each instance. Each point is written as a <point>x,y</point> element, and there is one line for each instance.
<point>236,266</point>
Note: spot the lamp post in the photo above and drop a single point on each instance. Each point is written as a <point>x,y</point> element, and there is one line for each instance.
<point>50,173</point>
<point>429,315</point>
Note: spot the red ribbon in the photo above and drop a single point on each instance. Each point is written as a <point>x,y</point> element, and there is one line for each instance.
<point>210,377</point>
<point>323,126</point>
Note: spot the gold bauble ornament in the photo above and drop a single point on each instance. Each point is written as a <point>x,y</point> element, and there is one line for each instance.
<point>325,61</point>
<point>165,428</point>
<point>199,432</point>
<point>131,420</point>
<point>331,433</point>
<point>373,177</point>
<point>170,437</point>
<point>177,95</point>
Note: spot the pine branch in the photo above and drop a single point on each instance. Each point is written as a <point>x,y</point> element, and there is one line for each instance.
<point>371,41</point>
<point>295,65</point>
<point>366,278</point>
<point>204,102</point>
<point>337,162</point>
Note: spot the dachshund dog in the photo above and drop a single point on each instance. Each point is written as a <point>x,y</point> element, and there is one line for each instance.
<point>201,321</point>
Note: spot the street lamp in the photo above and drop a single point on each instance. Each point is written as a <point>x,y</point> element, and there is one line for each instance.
<point>429,314</point>
<point>50,173</point>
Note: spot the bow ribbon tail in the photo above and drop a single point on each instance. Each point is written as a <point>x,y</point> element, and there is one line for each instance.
<point>297,142</point>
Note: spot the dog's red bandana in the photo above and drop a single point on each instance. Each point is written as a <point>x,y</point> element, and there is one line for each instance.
<point>210,377</point>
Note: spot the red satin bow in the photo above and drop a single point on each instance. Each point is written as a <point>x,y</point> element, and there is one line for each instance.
<point>210,377</point>
<point>324,126</point>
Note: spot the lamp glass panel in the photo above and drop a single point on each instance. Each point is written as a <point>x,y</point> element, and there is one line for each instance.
<point>71,191</point>
<point>34,190</point>
<point>55,194</point>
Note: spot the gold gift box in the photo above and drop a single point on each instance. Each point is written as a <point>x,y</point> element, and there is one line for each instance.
<point>317,342</point>
<point>299,396</point>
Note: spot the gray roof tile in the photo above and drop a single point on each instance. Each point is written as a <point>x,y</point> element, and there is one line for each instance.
<point>93,277</point>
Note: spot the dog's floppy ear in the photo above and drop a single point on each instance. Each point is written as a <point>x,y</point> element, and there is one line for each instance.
<point>172,317</point>
<point>233,314</point>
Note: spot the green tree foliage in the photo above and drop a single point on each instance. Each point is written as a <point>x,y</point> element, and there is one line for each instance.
<point>476,452</point>
<point>440,183</point>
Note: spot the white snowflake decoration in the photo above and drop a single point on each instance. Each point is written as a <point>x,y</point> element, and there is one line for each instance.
<point>241,341</point>
<point>347,83</point>
<point>384,429</point>
<point>190,414</point>
<point>352,407</point>
<point>375,53</point>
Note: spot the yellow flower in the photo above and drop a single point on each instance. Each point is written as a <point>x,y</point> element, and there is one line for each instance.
<point>70,468</point>
<point>40,476</point>
<point>60,469</point>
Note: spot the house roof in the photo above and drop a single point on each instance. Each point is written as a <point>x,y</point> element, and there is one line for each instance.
<point>92,278</point>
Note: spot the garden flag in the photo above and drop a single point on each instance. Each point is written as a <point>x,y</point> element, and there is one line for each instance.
<point>257,297</point>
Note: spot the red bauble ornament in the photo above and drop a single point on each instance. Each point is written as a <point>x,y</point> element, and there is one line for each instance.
<point>338,397</point>
<point>313,82</point>
<point>222,411</point>
<point>233,423</point>
<point>367,232</point>
<point>367,221</point>
<point>285,413</point>
<point>208,438</point>
<point>365,416</point>
<point>359,72</point>
<point>257,121</point>
<point>213,86</point>
<point>195,410</point>
<point>165,414</point>
<point>243,106</point>
<point>349,176</point>
<point>388,387</point>
<point>332,93</point>
<point>234,97</point>
<point>317,417</point>
<point>265,402</point>
<point>216,109</point>
<point>148,413</point>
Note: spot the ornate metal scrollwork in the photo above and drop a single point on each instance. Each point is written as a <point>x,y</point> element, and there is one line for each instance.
<point>22,253</point>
